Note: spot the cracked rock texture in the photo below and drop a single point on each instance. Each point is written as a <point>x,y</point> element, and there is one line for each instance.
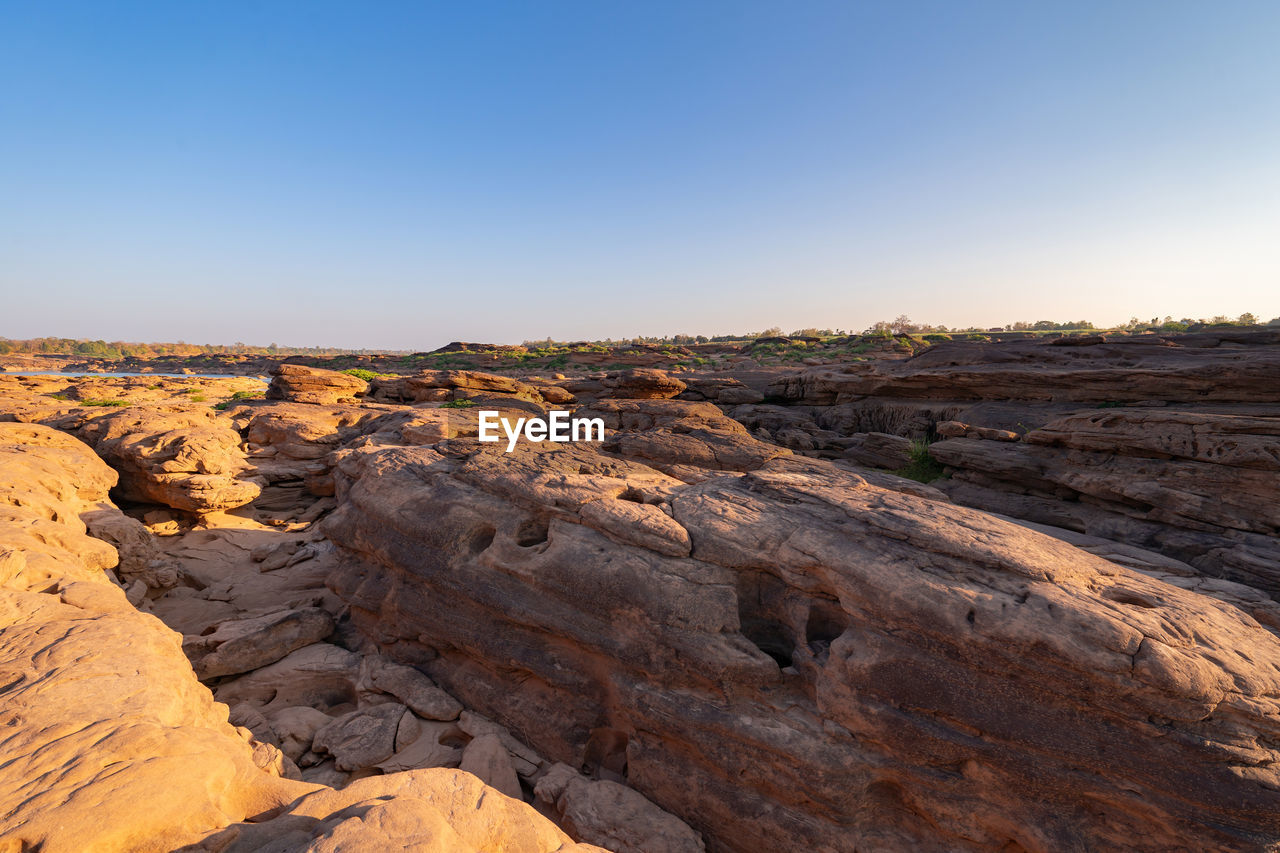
<point>110,742</point>
<point>787,655</point>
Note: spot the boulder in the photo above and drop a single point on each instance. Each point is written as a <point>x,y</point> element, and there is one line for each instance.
<point>613,816</point>
<point>243,645</point>
<point>411,687</point>
<point>879,450</point>
<point>444,811</point>
<point>299,384</point>
<point>361,738</point>
<point>487,759</point>
<point>185,458</point>
<point>643,384</point>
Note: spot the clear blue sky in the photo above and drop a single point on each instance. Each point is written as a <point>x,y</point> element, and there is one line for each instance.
<point>404,174</point>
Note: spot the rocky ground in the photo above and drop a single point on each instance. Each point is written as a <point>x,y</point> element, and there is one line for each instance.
<point>322,615</point>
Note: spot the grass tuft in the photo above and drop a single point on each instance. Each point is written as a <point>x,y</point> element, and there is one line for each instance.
<point>922,468</point>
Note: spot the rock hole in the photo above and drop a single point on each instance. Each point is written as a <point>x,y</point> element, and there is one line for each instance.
<point>532,531</point>
<point>771,638</point>
<point>481,538</point>
<point>1123,596</point>
<point>761,611</point>
<point>633,495</point>
<point>826,622</point>
<point>970,617</point>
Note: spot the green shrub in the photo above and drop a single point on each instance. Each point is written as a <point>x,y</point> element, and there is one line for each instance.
<point>362,373</point>
<point>922,468</point>
<point>112,403</point>
<point>197,398</point>
<point>462,403</point>
<point>247,395</point>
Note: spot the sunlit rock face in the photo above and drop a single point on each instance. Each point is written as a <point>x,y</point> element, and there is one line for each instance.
<point>111,743</point>
<point>786,655</point>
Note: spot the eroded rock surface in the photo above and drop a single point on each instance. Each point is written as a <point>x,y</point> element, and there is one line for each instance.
<point>1195,486</point>
<point>828,661</point>
<point>110,742</point>
<point>299,384</point>
<point>718,614</point>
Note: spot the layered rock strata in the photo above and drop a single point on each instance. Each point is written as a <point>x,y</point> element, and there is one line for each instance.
<point>789,656</point>
<point>110,742</point>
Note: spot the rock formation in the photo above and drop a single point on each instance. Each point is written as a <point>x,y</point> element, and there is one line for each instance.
<point>728,626</point>
<point>809,658</point>
<point>300,384</point>
<point>110,743</point>
<point>1198,487</point>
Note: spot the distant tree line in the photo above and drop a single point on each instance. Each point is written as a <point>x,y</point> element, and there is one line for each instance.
<point>124,349</point>
<point>903,325</point>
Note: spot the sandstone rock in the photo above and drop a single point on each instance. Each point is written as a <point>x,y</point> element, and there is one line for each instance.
<point>442,385</point>
<point>433,744</point>
<point>413,689</point>
<point>361,738</point>
<point>1198,487</point>
<point>321,676</point>
<point>184,458</point>
<point>444,811</point>
<point>644,384</point>
<point>879,450</point>
<point>725,390</point>
<point>90,683</point>
<point>614,816</point>
<point>242,645</point>
<point>824,664</point>
<point>487,759</point>
<point>525,760</point>
<point>295,728</point>
<point>1133,369</point>
<point>299,384</point>
<point>956,429</point>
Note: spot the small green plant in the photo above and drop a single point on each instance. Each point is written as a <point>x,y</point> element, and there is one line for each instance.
<point>112,403</point>
<point>223,406</point>
<point>184,391</point>
<point>458,404</point>
<point>366,375</point>
<point>247,395</point>
<point>197,398</point>
<point>59,396</point>
<point>922,468</point>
